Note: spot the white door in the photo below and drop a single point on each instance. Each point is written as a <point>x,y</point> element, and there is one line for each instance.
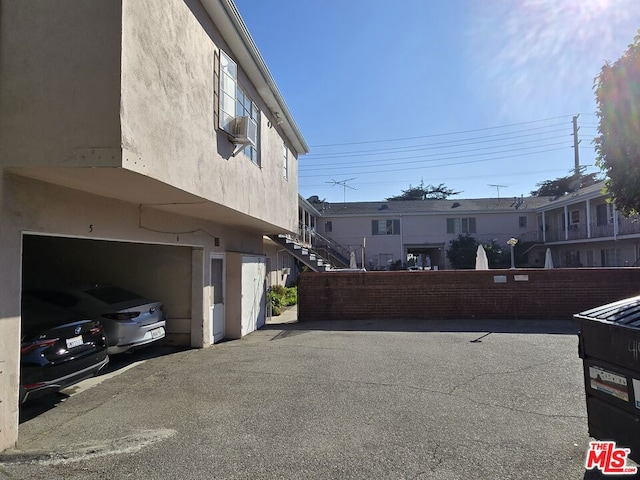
<point>216,309</point>
<point>254,274</point>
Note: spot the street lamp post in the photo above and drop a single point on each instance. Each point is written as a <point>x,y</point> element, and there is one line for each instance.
<point>512,243</point>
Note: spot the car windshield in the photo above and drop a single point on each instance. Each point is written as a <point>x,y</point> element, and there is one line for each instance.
<point>111,295</point>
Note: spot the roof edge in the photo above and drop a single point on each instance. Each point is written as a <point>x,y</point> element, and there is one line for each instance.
<point>243,31</point>
<point>234,20</point>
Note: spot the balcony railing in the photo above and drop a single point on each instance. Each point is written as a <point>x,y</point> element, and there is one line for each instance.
<point>626,226</point>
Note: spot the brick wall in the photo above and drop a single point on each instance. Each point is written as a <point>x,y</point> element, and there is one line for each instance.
<point>462,294</point>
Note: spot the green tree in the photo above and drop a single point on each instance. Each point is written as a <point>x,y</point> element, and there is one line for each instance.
<point>428,192</point>
<point>498,257</point>
<point>563,185</point>
<point>462,252</point>
<point>617,89</point>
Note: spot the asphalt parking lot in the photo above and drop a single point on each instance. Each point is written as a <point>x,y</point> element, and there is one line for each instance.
<point>343,400</point>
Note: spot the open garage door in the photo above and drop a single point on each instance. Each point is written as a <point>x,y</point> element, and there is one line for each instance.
<point>159,272</point>
<point>254,294</point>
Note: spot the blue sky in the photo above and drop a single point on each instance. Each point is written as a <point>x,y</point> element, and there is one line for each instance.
<point>472,94</point>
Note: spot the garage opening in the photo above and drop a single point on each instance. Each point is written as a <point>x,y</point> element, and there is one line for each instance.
<point>159,272</point>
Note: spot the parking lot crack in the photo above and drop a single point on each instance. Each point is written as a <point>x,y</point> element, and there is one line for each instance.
<point>503,372</point>
<point>529,412</point>
<point>395,385</point>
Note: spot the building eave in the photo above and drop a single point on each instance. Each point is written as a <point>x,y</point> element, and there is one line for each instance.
<point>308,206</point>
<point>226,17</point>
<point>571,200</point>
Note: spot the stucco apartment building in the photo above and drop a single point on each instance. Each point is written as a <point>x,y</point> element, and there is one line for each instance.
<point>143,144</point>
<point>386,232</point>
<point>581,229</point>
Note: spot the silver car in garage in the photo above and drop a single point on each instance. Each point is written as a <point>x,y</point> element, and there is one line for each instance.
<point>130,320</point>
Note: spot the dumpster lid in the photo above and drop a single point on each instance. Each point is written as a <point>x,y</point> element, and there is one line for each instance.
<point>624,312</point>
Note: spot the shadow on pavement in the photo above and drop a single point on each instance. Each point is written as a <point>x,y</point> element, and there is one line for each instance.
<point>38,406</point>
<point>558,327</point>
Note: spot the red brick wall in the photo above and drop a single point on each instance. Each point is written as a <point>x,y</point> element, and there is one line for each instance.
<point>461,294</point>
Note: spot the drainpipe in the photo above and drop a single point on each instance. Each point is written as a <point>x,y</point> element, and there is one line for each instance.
<point>364,246</point>
<point>566,223</point>
<point>403,257</point>
<point>615,222</point>
<point>588,218</point>
<point>279,263</point>
<point>544,227</point>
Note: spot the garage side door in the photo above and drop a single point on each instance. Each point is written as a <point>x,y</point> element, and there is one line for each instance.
<point>254,293</point>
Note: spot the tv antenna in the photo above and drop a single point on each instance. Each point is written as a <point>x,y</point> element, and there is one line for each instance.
<point>498,187</point>
<point>343,184</point>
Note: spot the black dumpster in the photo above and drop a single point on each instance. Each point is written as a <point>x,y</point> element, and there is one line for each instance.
<point>610,349</point>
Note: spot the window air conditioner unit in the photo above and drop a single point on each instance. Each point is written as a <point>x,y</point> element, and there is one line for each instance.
<point>246,131</point>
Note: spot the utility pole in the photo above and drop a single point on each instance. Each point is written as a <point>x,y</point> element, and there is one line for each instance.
<point>576,142</point>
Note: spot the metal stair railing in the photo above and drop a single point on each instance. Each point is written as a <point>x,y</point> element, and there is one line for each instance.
<point>302,251</point>
<point>332,248</point>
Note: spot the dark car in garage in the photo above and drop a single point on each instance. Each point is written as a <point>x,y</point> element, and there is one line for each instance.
<point>130,320</point>
<point>58,348</point>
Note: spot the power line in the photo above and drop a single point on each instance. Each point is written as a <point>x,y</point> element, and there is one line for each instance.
<point>385,161</point>
<point>487,175</point>
<point>409,148</point>
<point>443,165</point>
<point>438,134</point>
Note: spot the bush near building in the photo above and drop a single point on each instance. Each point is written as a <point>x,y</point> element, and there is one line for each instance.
<point>280,297</point>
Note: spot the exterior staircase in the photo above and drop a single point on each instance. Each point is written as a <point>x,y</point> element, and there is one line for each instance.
<point>311,257</point>
<point>337,255</point>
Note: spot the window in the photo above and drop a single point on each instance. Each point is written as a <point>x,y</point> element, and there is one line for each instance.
<point>461,225</point>
<point>235,103</point>
<point>522,222</point>
<point>609,257</point>
<point>602,214</point>
<point>328,227</point>
<point>246,108</point>
<point>385,227</point>
<point>572,259</point>
<point>574,217</point>
<point>228,85</point>
<point>285,161</point>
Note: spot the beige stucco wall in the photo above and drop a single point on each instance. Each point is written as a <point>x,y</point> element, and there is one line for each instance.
<point>282,265</point>
<point>9,327</point>
<point>169,126</point>
<point>129,86</point>
<point>418,229</point>
<point>59,80</point>
<point>133,84</point>
<point>34,207</point>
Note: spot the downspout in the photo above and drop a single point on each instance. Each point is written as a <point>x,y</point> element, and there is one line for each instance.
<point>588,218</point>
<point>544,227</point>
<point>403,257</point>
<point>566,223</point>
